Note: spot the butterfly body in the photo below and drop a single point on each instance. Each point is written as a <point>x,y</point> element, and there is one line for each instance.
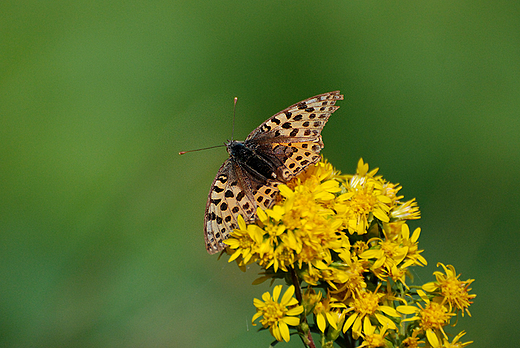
<point>275,152</point>
<point>246,155</point>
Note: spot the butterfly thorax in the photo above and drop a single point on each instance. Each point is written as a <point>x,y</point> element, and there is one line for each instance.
<point>250,159</point>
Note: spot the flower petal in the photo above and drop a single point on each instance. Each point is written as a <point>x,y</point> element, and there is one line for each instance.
<point>276,292</point>
<point>432,338</point>
<point>349,322</point>
<point>293,321</point>
<point>385,321</point>
<point>266,296</point>
<point>256,316</point>
<point>241,223</point>
<point>262,216</point>
<point>287,296</point>
<point>389,311</point>
<point>407,309</point>
<point>285,191</point>
<point>331,320</point>
<point>295,310</point>
<point>368,328</point>
<point>284,331</point>
<point>381,215</point>
<point>322,324</point>
<point>430,287</point>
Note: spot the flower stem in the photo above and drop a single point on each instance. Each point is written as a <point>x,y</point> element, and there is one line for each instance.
<point>305,331</point>
<point>296,282</point>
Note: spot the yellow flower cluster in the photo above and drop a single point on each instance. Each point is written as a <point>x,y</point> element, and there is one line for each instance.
<point>345,239</point>
<point>308,224</point>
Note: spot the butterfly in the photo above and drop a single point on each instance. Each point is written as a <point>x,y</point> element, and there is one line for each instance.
<point>275,152</point>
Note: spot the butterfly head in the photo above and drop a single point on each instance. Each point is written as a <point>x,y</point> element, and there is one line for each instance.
<point>235,148</point>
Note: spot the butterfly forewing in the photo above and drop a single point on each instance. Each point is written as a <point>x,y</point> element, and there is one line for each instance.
<point>280,148</point>
<point>299,122</point>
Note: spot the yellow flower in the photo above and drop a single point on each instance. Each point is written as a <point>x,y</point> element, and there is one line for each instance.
<point>321,171</point>
<point>434,316</point>
<point>394,253</point>
<point>365,305</point>
<point>312,275</point>
<point>390,190</point>
<point>283,257</point>
<point>364,199</point>
<point>397,274</point>
<point>431,318</point>
<point>406,211</point>
<point>413,341</point>
<point>455,343</point>
<point>347,278</point>
<point>278,315</point>
<point>325,312</point>
<point>361,173</point>
<point>309,300</point>
<point>373,339</point>
<point>413,256</point>
<point>245,240</point>
<point>387,253</point>
<point>270,219</point>
<point>455,291</point>
<point>301,227</point>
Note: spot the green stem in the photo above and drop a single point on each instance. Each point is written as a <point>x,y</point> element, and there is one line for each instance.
<point>296,282</point>
<point>304,326</point>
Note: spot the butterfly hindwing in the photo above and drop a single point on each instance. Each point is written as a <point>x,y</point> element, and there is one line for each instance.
<point>279,149</point>
<point>230,196</point>
<point>265,196</point>
<point>301,155</point>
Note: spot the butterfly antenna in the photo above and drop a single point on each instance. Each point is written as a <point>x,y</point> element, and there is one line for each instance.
<point>234,108</point>
<point>212,147</point>
<point>205,148</point>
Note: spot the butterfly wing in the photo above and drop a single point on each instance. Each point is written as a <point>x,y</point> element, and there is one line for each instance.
<point>298,122</point>
<point>234,191</point>
<point>292,137</point>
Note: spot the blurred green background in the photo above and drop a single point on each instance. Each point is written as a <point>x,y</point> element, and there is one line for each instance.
<point>101,240</point>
